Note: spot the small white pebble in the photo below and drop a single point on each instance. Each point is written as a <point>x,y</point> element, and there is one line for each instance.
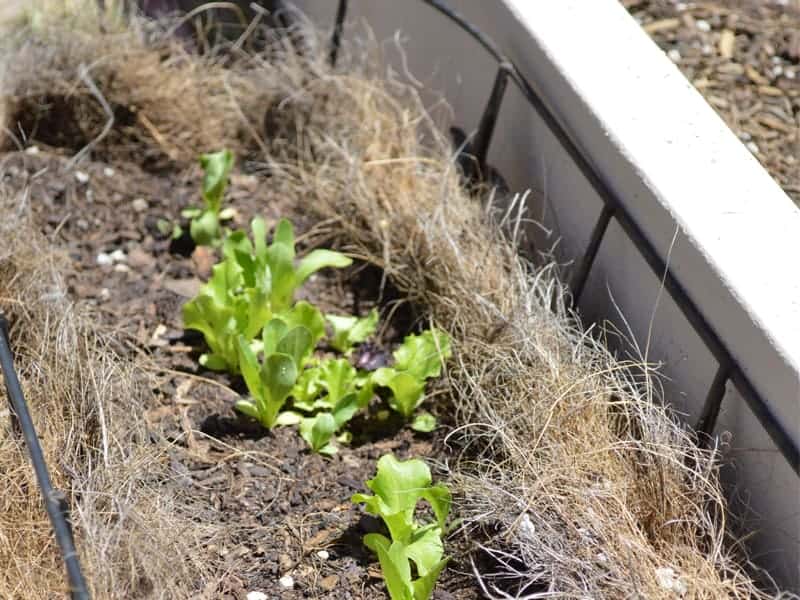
<point>105,294</point>
<point>118,255</point>
<point>256,596</point>
<point>324,554</point>
<point>109,172</point>
<point>753,147</point>
<point>81,176</point>
<point>790,74</point>
<point>707,50</point>
<point>745,137</point>
<point>32,150</point>
<point>674,55</point>
<point>703,25</point>
<point>286,582</point>
<point>139,205</point>
<point>777,71</point>
<point>104,259</point>
<point>122,268</point>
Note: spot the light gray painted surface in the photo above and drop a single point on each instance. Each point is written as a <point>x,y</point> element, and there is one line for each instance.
<point>731,234</point>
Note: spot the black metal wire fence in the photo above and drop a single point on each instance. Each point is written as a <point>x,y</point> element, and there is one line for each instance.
<point>476,152</point>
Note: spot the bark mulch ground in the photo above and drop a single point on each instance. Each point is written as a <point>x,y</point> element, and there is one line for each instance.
<point>744,57</point>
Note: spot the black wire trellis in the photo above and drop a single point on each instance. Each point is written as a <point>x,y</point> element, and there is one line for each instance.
<point>728,369</point>
<point>54,500</point>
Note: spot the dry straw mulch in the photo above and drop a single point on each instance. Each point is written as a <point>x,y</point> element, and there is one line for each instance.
<point>572,479</point>
<point>87,404</point>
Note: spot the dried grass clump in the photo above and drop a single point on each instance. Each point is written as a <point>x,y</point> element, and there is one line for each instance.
<point>75,80</point>
<point>573,480</point>
<point>87,405</point>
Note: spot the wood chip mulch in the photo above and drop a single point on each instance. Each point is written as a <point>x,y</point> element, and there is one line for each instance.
<point>744,57</point>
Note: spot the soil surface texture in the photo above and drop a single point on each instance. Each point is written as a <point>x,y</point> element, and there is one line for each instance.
<point>290,529</point>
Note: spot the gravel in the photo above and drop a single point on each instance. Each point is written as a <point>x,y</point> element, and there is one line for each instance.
<point>744,57</point>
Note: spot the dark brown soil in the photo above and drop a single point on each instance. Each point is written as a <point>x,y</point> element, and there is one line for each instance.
<point>285,510</point>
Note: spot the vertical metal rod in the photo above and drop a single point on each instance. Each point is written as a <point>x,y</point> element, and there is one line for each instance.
<point>336,39</point>
<point>483,137</point>
<point>54,501</point>
<point>708,417</point>
<point>581,274</point>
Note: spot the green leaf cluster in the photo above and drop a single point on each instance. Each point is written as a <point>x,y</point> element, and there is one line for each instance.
<point>275,263</point>
<point>398,487</point>
<point>332,391</point>
<point>253,283</point>
<point>252,325</point>
<point>417,359</point>
<point>204,226</point>
<point>286,346</point>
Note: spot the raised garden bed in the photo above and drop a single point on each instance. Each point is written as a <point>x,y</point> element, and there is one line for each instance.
<point>567,477</point>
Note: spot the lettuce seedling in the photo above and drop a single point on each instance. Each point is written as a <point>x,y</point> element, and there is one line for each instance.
<point>319,429</point>
<point>276,261</point>
<point>335,388</point>
<point>418,358</point>
<point>270,383</point>
<point>397,488</point>
<point>349,331</point>
<point>205,222</point>
<point>224,310</point>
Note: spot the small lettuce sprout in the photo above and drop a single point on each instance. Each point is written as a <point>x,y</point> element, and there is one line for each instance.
<point>224,310</point>
<point>418,358</point>
<point>270,383</point>
<point>349,331</point>
<point>398,486</point>
<point>319,429</point>
<point>277,261</point>
<point>334,388</point>
<point>205,222</point>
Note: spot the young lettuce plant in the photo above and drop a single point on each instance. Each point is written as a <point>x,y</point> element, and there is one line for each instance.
<point>256,258</point>
<point>397,488</point>
<point>205,226</point>
<point>417,359</point>
<point>331,387</point>
<point>349,331</point>
<point>286,349</point>
<point>225,309</point>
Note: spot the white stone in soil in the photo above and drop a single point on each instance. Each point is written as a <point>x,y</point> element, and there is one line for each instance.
<point>104,259</point>
<point>674,55</point>
<point>256,596</point>
<point>81,177</point>
<point>118,256</point>
<point>139,205</point>
<point>703,25</point>
<point>109,172</point>
<point>32,150</point>
<point>323,554</point>
<point>286,582</point>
